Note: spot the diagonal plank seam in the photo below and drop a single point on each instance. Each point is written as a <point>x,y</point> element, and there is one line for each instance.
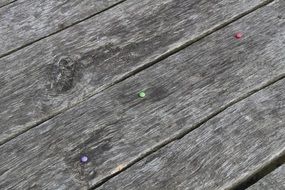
<point>8,4</point>
<point>58,31</point>
<point>145,66</point>
<point>186,131</point>
<point>268,167</point>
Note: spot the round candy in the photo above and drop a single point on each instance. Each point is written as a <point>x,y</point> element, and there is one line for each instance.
<point>142,94</point>
<point>83,159</point>
<point>238,35</point>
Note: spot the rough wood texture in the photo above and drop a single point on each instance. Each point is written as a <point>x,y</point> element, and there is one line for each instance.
<point>115,127</point>
<point>5,2</point>
<point>218,154</point>
<point>53,74</point>
<point>24,22</point>
<point>273,181</point>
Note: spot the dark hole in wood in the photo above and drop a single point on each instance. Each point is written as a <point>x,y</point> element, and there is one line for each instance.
<point>63,74</point>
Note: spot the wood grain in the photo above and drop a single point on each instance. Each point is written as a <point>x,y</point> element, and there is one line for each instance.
<point>5,2</point>
<point>115,128</point>
<point>220,153</point>
<point>273,181</point>
<point>44,79</point>
<point>25,22</point>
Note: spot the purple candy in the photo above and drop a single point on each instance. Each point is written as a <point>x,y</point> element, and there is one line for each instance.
<point>84,159</point>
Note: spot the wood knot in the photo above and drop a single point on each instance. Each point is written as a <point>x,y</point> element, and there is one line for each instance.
<point>63,74</point>
<point>280,17</point>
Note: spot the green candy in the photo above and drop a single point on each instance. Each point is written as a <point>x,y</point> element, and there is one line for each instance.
<point>142,94</point>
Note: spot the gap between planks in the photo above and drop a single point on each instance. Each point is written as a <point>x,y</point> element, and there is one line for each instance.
<point>58,31</point>
<point>243,182</point>
<point>7,3</point>
<point>139,69</point>
<point>266,169</point>
<point>274,180</point>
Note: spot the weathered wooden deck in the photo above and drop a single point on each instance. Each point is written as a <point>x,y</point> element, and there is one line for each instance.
<point>213,115</point>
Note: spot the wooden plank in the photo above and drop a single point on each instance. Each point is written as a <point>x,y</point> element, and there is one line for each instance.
<point>63,70</point>
<point>273,181</point>
<point>115,127</point>
<point>5,2</point>
<point>25,22</point>
<point>220,153</point>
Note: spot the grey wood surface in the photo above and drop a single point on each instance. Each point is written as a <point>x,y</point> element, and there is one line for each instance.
<point>26,21</point>
<point>115,128</point>
<point>5,2</point>
<point>56,73</point>
<point>273,181</point>
<point>220,153</point>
